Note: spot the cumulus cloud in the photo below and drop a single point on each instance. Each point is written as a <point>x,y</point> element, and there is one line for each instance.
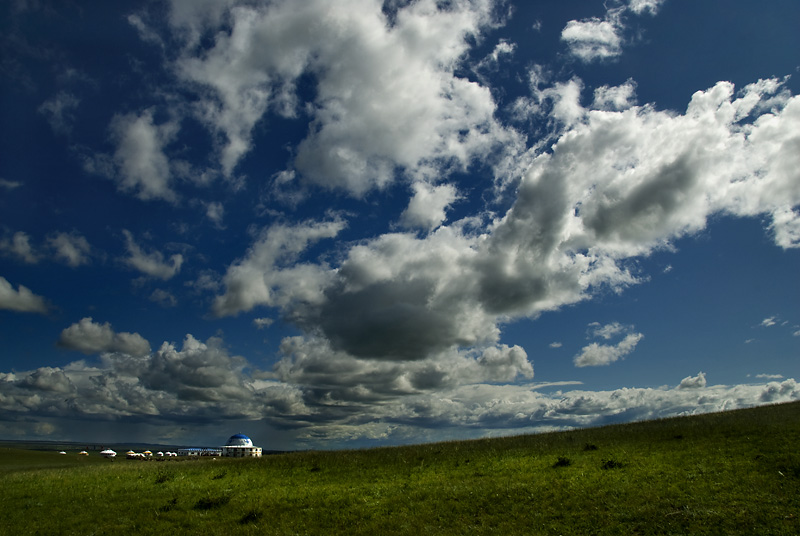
<point>59,111</point>
<point>426,209</point>
<point>164,298</point>
<point>152,263</point>
<point>21,300</point>
<point>263,322</point>
<point>387,98</point>
<point>491,63</point>
<point>597,39</point>
<point>592,39</point>
<point>90,337</point>
<point>329,375</point>
<point>640,6</point>
<point>215,211</point>
<point>613,185</point>
<point>615,97</point>
<point>270,275</point>
<point>198,382</point>
<point>596,354</point>
<point>142,167</point>
<point>19,245</point>
<point>71,248</point>
<point>693,382</point>
<point>777,392</point>
<point>320,394</point>
<point>608,331</point>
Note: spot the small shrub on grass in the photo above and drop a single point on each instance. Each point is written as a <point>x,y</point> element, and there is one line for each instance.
<point>209,503</point>
<point>589,447</point>
<point>562,461</point>
<point>250,517</point>
<point>611,464</point>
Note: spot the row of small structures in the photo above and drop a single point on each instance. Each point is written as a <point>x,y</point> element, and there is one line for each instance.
<point>238,446</point>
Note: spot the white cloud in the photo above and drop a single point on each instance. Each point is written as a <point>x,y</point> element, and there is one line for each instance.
<point>59,111</point>
<point>146,34</point>
<point>770,376</point>
<point>9,185</point>
<point>387,99</point>
<point>142,166</point>
<point>769,321</point>
<point>198,382</point>
<point>153,263</point>
<point>595,354</point>
<point>614,185</point>
<point>90,337</point>
<point>592,39</point>
<point>599,39</point>
<point>556,345</point>
<point>491,63</point>
<point>215,211</point>
<point>267,275</point>
<point>20,246</point>
<point>263,322</point>
<point>330,375</point>
<point>786,227</point>
<point>608,331</point>
<point>696,382</point>
<point>426,209</point>
<point>640,6</point>
<point>21,300</point>
<point>72,248</point>
<point>323,395</point>
<point>619,97</point>
<point>163,298</point>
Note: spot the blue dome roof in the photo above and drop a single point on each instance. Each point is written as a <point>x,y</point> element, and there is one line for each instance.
<point>239,440</point>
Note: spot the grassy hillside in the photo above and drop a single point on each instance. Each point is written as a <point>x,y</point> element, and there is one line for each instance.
<point>728,473</point>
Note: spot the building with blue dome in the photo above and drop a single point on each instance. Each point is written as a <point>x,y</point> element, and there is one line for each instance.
<point>240,446</point>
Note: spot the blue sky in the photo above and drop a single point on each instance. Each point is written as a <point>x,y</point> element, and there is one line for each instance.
<point>353,223</point>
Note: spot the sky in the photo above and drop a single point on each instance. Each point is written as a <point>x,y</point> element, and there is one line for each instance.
<point>359,223</point>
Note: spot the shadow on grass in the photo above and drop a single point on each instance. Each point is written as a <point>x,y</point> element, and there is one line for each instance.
<point>209,503</point>
<point>253,516</point>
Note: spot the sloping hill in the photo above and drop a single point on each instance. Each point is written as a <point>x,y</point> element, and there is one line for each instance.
<point>725,473</point>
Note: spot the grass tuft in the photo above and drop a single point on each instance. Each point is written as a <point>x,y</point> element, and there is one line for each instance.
<point>611,464</point>
<point>562,461</point>
<point>253,516</point>
<point>212,502</point>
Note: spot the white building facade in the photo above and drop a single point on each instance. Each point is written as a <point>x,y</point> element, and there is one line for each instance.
<point>240,446</point>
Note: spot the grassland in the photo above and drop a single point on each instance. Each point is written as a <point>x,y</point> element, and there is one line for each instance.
<point>727,473</point>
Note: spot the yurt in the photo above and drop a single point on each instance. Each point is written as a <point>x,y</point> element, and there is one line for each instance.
<point>240,446</point>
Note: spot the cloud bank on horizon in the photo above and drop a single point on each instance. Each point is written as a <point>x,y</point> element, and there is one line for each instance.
<point>386,188</point>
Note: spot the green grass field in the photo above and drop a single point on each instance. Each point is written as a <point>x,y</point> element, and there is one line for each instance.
<point>726,473</point>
